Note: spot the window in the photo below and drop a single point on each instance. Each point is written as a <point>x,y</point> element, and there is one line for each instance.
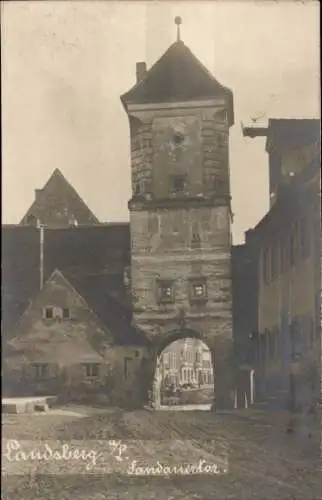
<point>127,362</point>
<point>282,254</point>
<point>221,140</point>
<point>166,359</point>
<point>293,245</point>
<point>165,292</point>
<point>266,265</point>
<point>91,370</point>
<point>40,370</point>
<point>304,237</point>
<point>195,240</point>
<point>274,251</point>
<point>198,289</point>
<point>173,360</point>
<point>178,183</point>
<point>31,220</point>
<point>49,312</point>
<point>178,138</point>
<point>66,313</point>
<point>218,184</point>
<point>153,224</point>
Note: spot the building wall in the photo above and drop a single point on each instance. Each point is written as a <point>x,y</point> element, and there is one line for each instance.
<point>288,344</point>
<point>187,360</point>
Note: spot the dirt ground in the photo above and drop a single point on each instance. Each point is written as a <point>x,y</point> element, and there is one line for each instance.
<point>146,455</point>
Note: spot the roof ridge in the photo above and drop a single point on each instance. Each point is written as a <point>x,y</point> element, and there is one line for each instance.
<point>178,75</point>
<point>58,173</point>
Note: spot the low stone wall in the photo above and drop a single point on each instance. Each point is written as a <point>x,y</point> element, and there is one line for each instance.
<point>27,405</point>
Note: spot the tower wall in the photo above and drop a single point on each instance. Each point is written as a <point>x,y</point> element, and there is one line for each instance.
<point>180,227</point>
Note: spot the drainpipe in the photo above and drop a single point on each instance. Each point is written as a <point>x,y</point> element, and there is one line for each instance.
<point>41,236</point>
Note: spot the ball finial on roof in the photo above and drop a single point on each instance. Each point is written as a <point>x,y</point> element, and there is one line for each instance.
<point>178,21</point>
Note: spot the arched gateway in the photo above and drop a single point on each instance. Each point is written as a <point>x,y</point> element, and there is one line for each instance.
<point>180,212</point>
<point>183,373</point>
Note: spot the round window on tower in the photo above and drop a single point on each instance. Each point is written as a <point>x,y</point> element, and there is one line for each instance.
<point>178,138</point>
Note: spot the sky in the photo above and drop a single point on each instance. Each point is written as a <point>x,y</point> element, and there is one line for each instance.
<point>66,63</point>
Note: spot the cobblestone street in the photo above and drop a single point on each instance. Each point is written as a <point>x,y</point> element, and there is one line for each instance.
<point>263,460</point>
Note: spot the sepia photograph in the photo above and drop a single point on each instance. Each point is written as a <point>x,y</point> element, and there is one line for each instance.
<point>161,250</point>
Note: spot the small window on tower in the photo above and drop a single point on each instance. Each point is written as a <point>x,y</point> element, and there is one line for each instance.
<point>198,290</point>
<point>221,140</point>
<point>165,290</point>
<point>178,183</point>
<point>178,138</point>
<point>218,185</point>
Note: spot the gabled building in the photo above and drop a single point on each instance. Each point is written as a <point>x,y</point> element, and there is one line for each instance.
<point>95,257</point>
<point>166,275</point>
<point>58,205</point>
<point>61,346</point>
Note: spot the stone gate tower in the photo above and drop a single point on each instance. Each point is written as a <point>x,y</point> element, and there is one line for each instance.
<point>180,211</point>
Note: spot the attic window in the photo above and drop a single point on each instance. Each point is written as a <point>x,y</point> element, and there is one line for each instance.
<point>73,222</point>
<point>31,220</point>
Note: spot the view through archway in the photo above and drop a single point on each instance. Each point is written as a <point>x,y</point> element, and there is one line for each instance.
<point>185,375</point>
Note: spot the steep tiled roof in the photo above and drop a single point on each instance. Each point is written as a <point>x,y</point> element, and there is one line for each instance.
<point>57,203</point>
<point>106,301</point>
<point>91,258</point>
<point>177,76</point>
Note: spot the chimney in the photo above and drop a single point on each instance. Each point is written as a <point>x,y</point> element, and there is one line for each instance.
<point>38,193</point>
<point>140,71</point>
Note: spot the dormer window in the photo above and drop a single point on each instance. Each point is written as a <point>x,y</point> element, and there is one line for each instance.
<point>51,313</point>
<point>73,222</point>
<point>178,183</point>
<point>31,220</point>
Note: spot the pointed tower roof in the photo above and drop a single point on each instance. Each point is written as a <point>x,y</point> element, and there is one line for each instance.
<point>57,203</point>
<point>178,76</point>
